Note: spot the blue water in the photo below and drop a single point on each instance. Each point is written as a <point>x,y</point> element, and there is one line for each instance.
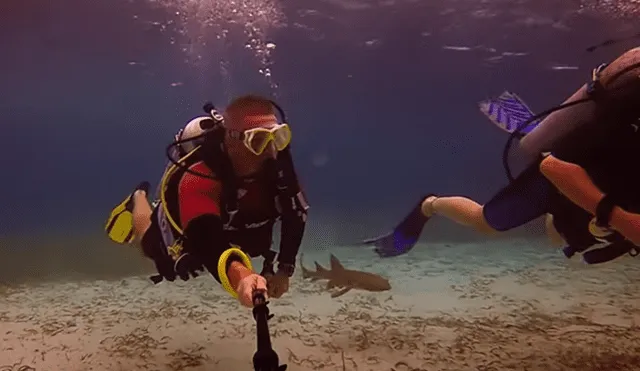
<point>92,92</point>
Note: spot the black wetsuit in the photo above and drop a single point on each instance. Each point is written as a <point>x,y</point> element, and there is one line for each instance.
<point>198,205</point>
<point>608,150</point>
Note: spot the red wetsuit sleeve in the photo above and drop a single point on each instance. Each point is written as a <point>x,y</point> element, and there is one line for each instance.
<point>197,195</point>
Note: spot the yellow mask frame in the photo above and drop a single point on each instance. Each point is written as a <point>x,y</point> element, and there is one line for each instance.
<point>257,140</point>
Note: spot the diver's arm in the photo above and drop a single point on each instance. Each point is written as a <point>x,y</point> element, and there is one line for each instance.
<point>206,240</point>
<point>574,183</point>
<point>199,203</point>
<point>294,218</point>
<point>292,231</point>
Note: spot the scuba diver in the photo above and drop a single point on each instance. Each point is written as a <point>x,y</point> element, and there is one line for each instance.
<point>230,178</point>
<point>584,176</point>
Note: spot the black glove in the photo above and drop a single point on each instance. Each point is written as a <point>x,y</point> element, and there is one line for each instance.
<point>164,265</point>
<point>184,267</point>
<point>187,266</point>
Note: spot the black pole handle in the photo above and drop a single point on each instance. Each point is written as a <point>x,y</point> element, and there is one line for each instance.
<point>265,358</point>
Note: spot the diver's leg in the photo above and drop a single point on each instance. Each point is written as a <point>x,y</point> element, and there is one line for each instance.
<point>523,200</point>
<point>461,210</point>
<point>141,214</point>
<point>152,246</point>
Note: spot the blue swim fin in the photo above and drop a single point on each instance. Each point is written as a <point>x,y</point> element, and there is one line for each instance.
<point>508,112</point>
<point>403,237</point>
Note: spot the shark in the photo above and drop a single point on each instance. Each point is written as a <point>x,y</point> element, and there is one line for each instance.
<point>345,279</point>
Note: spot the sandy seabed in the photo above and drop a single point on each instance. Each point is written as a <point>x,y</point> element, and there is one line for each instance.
<point>491,306</point>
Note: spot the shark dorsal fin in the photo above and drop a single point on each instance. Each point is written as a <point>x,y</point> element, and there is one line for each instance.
<point>335,264</point>
<point>320,268</point>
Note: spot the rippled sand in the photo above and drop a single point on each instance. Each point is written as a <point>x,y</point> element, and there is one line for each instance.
<point>495,306</point>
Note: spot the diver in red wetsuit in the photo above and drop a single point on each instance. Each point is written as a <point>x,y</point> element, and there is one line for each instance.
<point>218,203</point>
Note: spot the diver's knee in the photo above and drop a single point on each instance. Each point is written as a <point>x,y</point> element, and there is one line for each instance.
<point>482,224</point>
<point>487,229</point>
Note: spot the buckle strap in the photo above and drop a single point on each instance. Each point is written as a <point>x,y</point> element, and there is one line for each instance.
<point>595,87</point>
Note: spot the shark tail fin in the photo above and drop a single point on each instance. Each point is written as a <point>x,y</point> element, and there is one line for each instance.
<point>508,112</point>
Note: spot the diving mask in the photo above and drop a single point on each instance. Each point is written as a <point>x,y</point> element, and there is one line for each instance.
<point>258,139</point>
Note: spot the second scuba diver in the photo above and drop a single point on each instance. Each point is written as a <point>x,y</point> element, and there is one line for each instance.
<point>585,177</point>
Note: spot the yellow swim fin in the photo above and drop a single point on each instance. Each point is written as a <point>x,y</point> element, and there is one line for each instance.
<point>119,226</point>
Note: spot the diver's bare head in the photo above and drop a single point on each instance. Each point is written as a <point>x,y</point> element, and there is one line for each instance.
<point>245,113</point>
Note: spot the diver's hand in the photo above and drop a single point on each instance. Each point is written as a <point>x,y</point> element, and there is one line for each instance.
<point>277,284</point>
<point>248,285</point>
<point>627,224</point>
<point>165,268</point>
<point>187,266</point>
